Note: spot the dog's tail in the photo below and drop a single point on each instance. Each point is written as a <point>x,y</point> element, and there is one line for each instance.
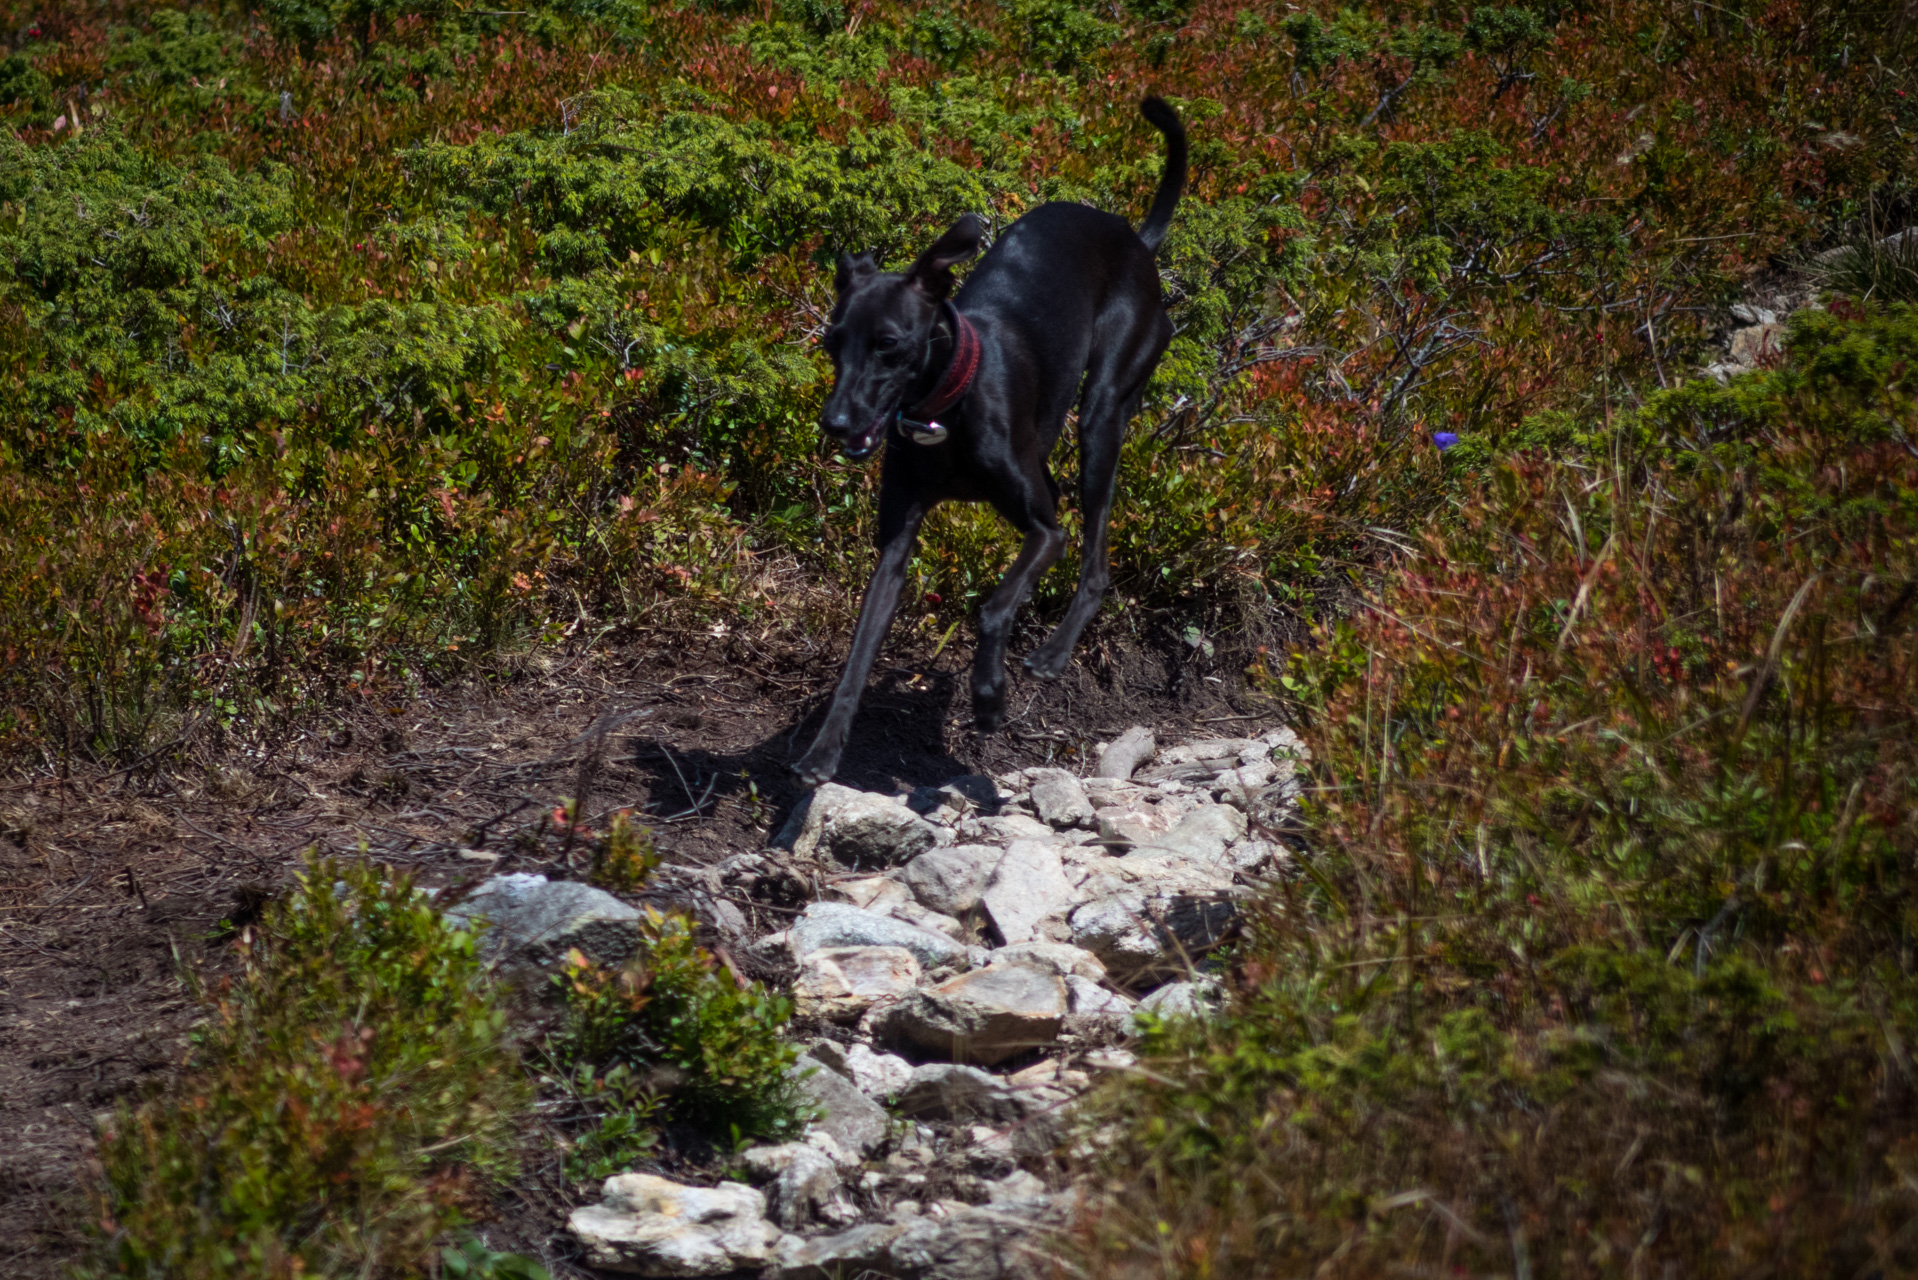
<point>1159,220</point>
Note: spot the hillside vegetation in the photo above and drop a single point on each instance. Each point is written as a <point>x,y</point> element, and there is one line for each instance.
<point>345,344</point>
<point>350,347</point>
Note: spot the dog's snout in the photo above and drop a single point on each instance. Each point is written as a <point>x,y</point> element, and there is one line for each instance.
<point>836,421</point>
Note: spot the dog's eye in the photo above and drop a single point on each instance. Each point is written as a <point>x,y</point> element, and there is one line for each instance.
<point>887,342</point>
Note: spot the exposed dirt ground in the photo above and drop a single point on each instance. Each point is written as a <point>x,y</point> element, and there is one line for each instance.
<point>109,881</point>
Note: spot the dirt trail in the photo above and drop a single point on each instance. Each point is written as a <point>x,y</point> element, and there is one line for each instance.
<point>109,880</point>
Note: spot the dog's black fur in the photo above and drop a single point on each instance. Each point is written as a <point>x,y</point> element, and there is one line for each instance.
<point>1068,308</point>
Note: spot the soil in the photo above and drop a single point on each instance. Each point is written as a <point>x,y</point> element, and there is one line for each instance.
<point>111,881</point>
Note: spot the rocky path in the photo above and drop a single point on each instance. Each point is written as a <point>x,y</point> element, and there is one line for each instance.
<point>972,957</point>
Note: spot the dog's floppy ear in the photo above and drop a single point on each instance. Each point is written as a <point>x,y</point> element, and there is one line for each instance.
<point>932,274</point>
<point>852,268</point>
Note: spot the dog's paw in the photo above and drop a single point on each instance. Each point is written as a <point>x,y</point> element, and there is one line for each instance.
<point>1047,666</point>
<point>988,713</point>
<point>815,772</point>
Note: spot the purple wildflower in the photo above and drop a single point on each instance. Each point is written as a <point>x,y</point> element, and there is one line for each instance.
<point>1444,439</point>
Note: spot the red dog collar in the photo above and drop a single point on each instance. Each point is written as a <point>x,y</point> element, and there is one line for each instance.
<point>953,384</point>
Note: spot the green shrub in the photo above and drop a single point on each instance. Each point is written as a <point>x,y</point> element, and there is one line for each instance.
<point>1595,964</point>
<point>350,1098</point>
<point>673,1028</point>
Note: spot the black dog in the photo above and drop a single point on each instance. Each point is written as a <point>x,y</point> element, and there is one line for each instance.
<point>1065,310</point>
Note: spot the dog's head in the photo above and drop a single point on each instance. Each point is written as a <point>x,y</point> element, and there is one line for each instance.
<point>881,336</point>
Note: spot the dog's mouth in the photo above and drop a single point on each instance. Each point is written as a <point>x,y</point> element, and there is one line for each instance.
<point>862,446</point>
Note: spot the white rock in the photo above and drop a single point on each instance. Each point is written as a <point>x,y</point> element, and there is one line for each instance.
<point>808,1190</point>
<point>1196,999</point>
<point>950,880</point>
<point>1144,936</point>
<point>821,1141</point>
<point>1061,958</point>
<point>1059,800</point>
<point>970,1243</point>
<point>1119,758</point>
<point>1114,793</point>
<point>1002,829</point>
<point>1027,887</point>
<point>1049,1073</point>
<point>1254,855</point>
<point>1202,835</point>
<point>1236,786</point>
<point>871,893</point>
<point>875,1074</point>
<point>1222,751</point>
<point>1122,829</point>
<point>836,924</point>
<point>648,1226</point>
<point>931,921</point>
<point>855,1121</point>
<point>1089,999</point>
<point>765,1163</point>
<point>1017,1185</point>
<point>861,1251</point>
<point>842,982</point>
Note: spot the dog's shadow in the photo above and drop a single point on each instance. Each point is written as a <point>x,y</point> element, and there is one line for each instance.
<point>903,737</point>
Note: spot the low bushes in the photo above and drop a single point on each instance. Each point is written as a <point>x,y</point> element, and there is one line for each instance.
<point>672,1036</point>
<point>350,1098</point>
<point>348,343</point>
<point>1601,959</point>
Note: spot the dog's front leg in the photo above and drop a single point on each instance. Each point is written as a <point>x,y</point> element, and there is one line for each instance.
<point>900,514</point>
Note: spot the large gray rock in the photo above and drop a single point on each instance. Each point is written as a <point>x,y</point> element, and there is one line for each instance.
<point>532,921</point>
<point>1123,755</point>
<point>808,1190</point>
<point>947,1091</point>
<point>840,983</point>
<point>1222,752</point>
<point>877,1075</point>
<point>1238,786</point>
<point>987,1015</point>
<point>1061,958</point>
<point>1097,1013</point>
<point>1028,887</point>
<point>862,1251</point>
<point>857,827</point>
<point>1202,834</point>
<point>993,1242</point>
<point>648,1226</point>
<point>1196,999</point>
<point>1144,937</point>
<point>855,1121</point>
<point>1003,829</point>
<point>1121,829</point>
<point>1059,800</point>
<point>950,880</point>
<point>835,924</point>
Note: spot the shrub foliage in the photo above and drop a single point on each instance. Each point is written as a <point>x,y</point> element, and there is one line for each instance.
<point>345,343</point>
<point>1601,958</point>
<point>349,1099</point>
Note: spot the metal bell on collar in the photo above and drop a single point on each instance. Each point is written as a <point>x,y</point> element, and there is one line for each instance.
<point>927,433</point>
<point>923,426</point>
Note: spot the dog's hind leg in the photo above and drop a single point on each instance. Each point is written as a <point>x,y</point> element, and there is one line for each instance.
<point>1103,416</point>
<point>1033,509</point>
<point>900,514</point>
